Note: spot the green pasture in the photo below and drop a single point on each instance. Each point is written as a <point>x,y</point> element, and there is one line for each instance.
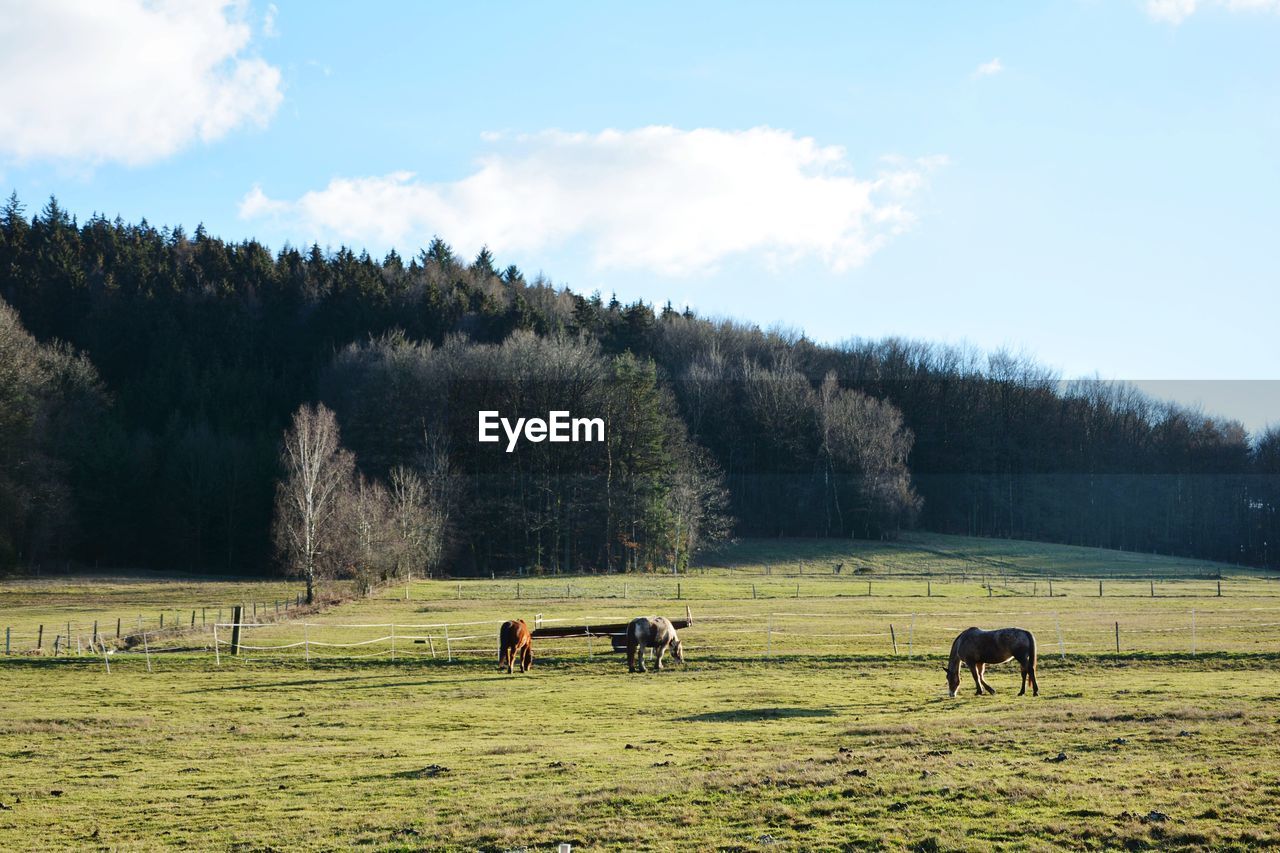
<point>804,754</point>
<point>797,724</point>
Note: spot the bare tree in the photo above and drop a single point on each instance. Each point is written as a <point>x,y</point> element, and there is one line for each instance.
<point>411,518</point>
<point>698,504</point>
<point>316,473</point>
<point>442,487</point>
<point>369,536</point>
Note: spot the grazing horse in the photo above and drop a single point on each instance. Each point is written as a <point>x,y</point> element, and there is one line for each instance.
<point>656,631</point>
<point>515,640</point>
<point>976,648</point>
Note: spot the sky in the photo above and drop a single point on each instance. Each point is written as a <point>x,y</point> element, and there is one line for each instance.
<point>1095,183</point>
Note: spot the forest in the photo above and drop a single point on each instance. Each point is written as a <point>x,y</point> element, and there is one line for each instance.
<point>153,383</point>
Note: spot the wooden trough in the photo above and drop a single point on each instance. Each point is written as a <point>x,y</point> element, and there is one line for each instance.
<point>615,631</point>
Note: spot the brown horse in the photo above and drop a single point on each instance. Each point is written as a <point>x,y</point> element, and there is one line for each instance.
<point>514,640</point>
<point>976,648</point>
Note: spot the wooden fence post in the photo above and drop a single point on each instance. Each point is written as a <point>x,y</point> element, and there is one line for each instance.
<point>1219,589</point>
<point>56,645</point>
<point>753,591</point>
<point>1051,588</point>
<point>928,589</point>
<point>193,618</point>
<point>893,638</point>
<point>6,640</point>
<point>95,633</point>
<point>1099,589</point>
<point>40,638</point>
<point>236,613</point>
<point>1117,638</point>
<point>677,591</point>
<point>117,627</point>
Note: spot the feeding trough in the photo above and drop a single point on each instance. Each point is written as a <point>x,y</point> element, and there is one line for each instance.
<point>615,631</point>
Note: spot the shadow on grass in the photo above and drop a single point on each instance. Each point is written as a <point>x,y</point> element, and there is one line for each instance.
<point>751,715</point>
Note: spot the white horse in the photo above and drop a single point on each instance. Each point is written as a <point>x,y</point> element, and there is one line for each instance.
<point>656,631</point>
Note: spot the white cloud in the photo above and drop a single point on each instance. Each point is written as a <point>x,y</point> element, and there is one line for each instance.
<point>1176,11</point>
<point>987,69</point>
<point>90,81</point>
<point>656,198</point>
<point>269,28</point>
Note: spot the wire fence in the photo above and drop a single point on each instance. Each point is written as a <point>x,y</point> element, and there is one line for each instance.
<point>775,635</point>
<point>915,616</point>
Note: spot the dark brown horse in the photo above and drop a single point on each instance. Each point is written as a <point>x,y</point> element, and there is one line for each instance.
<point>514,640</point>
<point>976,648</point>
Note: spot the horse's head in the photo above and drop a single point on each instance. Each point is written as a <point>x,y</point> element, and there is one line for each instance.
<point>953,679</point>
<point>677,649</point>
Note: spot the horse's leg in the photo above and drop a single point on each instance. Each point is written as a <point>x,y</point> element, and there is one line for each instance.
<point>1023,691</point>
<point>982,676</point>
<point>642,651</point>
<point>526,660</point>
<point>658,652</point>
<point>973,670</point>
<point>1035,686</point>
<point>631,655</point>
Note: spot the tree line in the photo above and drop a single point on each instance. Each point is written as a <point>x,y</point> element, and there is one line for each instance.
<point>149,377</point>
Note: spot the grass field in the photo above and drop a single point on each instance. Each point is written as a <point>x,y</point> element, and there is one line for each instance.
<point>793,726</point>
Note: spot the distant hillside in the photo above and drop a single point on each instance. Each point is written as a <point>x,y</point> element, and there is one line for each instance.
<point>921,553</point>
<point>205,348</point>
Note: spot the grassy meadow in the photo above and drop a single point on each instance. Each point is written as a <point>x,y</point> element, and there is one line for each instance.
<point>794,725</point>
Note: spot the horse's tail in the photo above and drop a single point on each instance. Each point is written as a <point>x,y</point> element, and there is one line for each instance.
<point>1032,638</point>
<point>504,639</point>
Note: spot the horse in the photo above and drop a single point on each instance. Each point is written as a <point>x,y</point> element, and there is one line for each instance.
<point>656,631</point>
<point>515,640</point>
<point>976,648</point>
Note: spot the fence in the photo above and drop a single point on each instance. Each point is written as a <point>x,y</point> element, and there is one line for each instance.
<point>801,585</point>
<point>916,616</point>
<point>771,635</point>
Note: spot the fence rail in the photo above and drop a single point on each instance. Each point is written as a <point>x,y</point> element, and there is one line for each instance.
<point>826,618</point>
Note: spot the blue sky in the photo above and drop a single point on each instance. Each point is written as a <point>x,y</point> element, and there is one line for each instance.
<point>1095,182</point>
